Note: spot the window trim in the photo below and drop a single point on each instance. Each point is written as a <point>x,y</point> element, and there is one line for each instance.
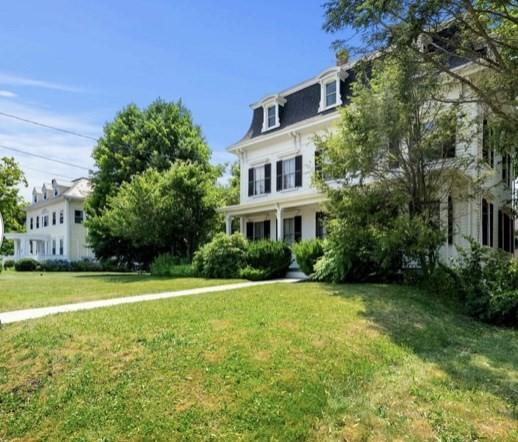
<point>275,101</point>
<point>336,74</point>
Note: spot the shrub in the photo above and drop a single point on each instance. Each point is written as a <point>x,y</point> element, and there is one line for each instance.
<point>487,281</point>
<point>253,274</point>
<point>169,265</point>
<point>272,258</point>
<point>307,254</point>
<point>223,257</point>
<point>86,265</point>
<point>9,264</point>
<point>57,265</point>
<point>26,265</point>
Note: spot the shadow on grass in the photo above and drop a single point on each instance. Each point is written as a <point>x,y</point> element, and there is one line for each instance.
<point>474,355</point>
<point>122,278</point>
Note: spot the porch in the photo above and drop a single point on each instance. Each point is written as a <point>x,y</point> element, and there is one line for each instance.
<point>35,246</point>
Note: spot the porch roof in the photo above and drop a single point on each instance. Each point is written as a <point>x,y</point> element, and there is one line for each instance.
<point>269,204</point>
<point>27,236</point>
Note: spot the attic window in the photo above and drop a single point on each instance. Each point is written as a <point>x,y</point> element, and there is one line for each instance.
<point>331,93</point>
<point>272,116</point>
<point>56,192</point>
<point>330,88</point>
<point>44,194</point>
<point>270,106</point>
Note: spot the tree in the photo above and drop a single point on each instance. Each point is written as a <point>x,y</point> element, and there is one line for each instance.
<point>443,34</point>
<point>163,212</point>
<point>136,140</point>
<point>11,203</point>
<point>232,190</point>
<point>395,161</point>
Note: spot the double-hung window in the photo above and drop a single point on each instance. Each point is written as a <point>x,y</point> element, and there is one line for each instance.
<point>61,217</point>
<point>45,220</point>
<point>37,222</point>
<point>78,216</point>
<point>32,223</point>
<point>53,218</point>
<point>292,229</point>
<point>271,115</point>
<point>259,180</point>
<point>258,230</point>
<point>330,89</point>
<point>53,246</point>
<point>61,247</point>
<point>288,173</point>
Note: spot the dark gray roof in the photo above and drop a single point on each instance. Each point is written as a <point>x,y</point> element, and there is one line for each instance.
<point>300,105</point>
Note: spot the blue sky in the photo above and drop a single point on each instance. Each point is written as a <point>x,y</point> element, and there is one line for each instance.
<point>75,64</point>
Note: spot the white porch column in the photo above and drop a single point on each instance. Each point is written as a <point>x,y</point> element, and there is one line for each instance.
<point>228,224</point>
<point>242,225</point>
<point>16,248</point>
<point>280,233</point>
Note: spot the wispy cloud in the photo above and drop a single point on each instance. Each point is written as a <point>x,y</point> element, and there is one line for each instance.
<point>17,80</point>
<point>7,94</point>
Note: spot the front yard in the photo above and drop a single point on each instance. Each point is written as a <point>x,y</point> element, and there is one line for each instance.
<point>281,362</point>
<point>20,290</point>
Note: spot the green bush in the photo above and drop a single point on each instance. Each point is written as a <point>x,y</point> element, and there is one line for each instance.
<point>487,281</point>
<point>223,257</point>
<point>9,264</point>
<point>86,265</point>
<point>272,258</point>
<point>26,265</point>
<point>172,266</point>
<point>307,254</point>
<point>253,274</point>
<point>57,265</point>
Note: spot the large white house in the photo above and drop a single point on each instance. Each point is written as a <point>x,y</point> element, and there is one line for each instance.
<point>277,163</point>
<point>55,223</point>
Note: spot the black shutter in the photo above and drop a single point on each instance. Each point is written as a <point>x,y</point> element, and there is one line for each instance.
<point>250,182</point>
<point>267,229</point>
<point>500,231</point>
<point>268,178</point>
<point>250,231</point>
<point>298,171</point>
<point>298,228</point>
<point>279,175</point>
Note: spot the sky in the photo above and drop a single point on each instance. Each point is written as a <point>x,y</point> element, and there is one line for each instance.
<point>73,65</point>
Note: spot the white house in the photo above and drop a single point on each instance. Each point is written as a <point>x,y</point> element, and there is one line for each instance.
<point>277,163</point>
<point>55,223</point>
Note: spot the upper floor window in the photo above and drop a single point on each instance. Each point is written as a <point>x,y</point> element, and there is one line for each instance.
<point>61,217</point>
<point>78,216</point>
<point>289,173</point>
<point>259,180</point>
<point>61,246</point>
<point>45,220</point>
<point>488,150</point>
<point>271,116</point>
<point>31,223</point>
<point>35,198</point>
<point>331,93</point>
<point>56,192</point>
<point>37,222</point>
<point>507,169</point>
<point>53,218</point>
<point>44,194</point>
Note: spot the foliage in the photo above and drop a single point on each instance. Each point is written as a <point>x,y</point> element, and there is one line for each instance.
<point>271,258</point>
<point>440,34</point>
<point>26,265</point>
<point>307,254</point>
<point>169,265</point>
<point>253,274</point>
<point>9,264</point>
<point>223,257</point>
<point>232,190</point>
<point>55,265</point>
<point>11,202</point>
<point>172,211</point>
<point>487,281</point>
<point>135,141</point>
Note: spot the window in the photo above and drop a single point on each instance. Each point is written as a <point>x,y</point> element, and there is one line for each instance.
<point>330,93</point>
<point>487,223</point>
<point>450,220</point>
<point>506,169</point>
<point>61,248</point>
<point>45,220</point>
<point>292,229</point>
<point>53,218</point>
<point>488,151</point>
<point>320,228</point>
<point>61,217</point>
<point>78,216</point>
<point>271,116</point>
<point>30,248</point>
<point>505,231</point>
<point>44,194</point>
<point>37,222</point>
<point>259,180</point>
<point>31,223</point>
<point>258,230</point>
<point>289,173</point>
<point>35,198</point>
<point>56,192</point>
<point>53,246</point>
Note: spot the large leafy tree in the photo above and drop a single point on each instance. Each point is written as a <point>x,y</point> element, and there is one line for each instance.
<point>172,211</point>
<point>443,34</point>
<point>396,157</point>
<point>136,140</point>
<point>11,203</point>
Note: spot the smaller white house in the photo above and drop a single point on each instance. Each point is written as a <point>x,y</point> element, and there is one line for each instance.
<point>55,223</point>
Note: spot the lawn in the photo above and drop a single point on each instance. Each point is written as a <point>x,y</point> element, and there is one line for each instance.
<point>19,290</point>
<point>281,362</point>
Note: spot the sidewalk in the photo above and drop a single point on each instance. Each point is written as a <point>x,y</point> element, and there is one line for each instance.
<point>34,313</point>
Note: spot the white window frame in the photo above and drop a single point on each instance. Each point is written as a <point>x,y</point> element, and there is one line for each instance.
<point>335,75</point>
<point>288,177</point>
<point>273,101</point>
<point>259,180</point>
<point>288,230</point>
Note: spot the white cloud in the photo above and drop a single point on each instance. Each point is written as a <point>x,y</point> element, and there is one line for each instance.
<point>7,94</point>
<point>16,80</point>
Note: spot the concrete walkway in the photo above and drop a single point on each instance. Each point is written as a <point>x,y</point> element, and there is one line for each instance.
<point>33,313</point>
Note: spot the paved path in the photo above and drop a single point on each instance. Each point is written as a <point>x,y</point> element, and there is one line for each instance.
<point>33,313</point>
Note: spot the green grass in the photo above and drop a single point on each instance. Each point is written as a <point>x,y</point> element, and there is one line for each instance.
<point>19,290</point>
<point>280,362</point>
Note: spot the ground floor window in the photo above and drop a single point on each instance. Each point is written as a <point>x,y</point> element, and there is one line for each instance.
<point>505,232</point>
<point>30,247</point>
<point>292,229</point>
<point>320,228</point>
<point>487,223</point>
<point>61,248</point>
<point>53,246</point>
<point>256,231</point>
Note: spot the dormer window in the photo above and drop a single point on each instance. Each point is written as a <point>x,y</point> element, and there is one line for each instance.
<point>56,192</point>
<point>331,93</point>
<point>330,88</point>
<point>271,117</point>
<point>35,198</point>
<point>44,195</point>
